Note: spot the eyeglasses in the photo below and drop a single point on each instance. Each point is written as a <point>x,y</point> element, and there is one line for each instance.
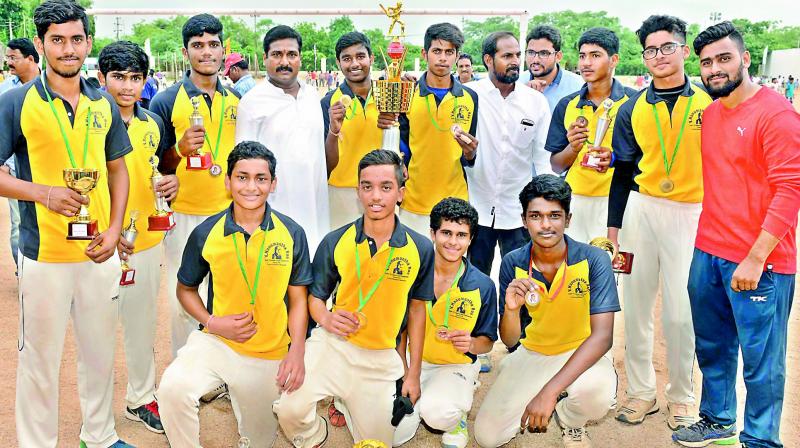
<point>666,49</point>
<point>543,54</point>
<point>12,58</point>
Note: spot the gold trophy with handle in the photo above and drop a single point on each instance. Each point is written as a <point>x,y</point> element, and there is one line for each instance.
<point>162,218</point>
<point>82,181</point>
<point>129,233</point>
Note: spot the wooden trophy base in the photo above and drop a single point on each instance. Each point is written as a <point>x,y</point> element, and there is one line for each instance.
<point>162,223</point>
<point>199,161</point>
<point>623,264</point>
<point>82,230</point>
<point>128,277</point>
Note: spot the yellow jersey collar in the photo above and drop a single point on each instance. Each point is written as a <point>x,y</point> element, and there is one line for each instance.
<point>230,227</point>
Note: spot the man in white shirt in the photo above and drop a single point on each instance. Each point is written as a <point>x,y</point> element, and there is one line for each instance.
<point>512,129</point>
<point>284,115</point>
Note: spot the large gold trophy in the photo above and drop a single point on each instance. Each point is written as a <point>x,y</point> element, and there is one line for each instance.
<point>82,181</point>
<point>392,95</point>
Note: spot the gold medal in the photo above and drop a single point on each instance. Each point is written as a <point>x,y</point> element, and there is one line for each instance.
<point>215,170</point>
<point>666,185</point>
<point>581,121</point>
<point>442,333</point>
<point>346,101</point>
<point>362,319</point>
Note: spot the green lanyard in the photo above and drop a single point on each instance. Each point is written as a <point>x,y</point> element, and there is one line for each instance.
<point>362,301</point>
<point>447,310</point>
<point>254,289</point>
<point>357,101</point>
<point>215,150</point>
<point>63,132</point>
<point>668,165</point>
<point>430,114</point>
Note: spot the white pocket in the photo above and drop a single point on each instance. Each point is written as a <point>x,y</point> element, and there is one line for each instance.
<point>522,133</point>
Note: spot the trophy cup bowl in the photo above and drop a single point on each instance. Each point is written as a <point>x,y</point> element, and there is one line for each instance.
<point>81,181</point>
<point>621,262</point>
<point>199,160</point>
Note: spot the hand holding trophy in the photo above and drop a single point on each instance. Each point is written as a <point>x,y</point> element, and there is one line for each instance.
<point>621,262</point>
<point>592,159</point>
<point>82,181</point>
<point>200,160</point>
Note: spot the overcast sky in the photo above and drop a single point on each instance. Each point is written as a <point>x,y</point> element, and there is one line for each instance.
<point>630,12</point>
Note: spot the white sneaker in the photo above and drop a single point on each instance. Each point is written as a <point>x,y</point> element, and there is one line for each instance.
<point>458,436</point>
<point>576,438</point>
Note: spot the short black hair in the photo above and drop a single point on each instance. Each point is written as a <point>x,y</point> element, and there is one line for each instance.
<point>454,210</point>
<point>25,46</point>
<point>656,23</point>
<point>602,37</point>
<point>352,38</point>
<point>282,32</point>
<point>251,150</point>
<point>199,24</point>
<point>242,65</point>
<point>443,31</point>
<point>547,186</point>
<point>123,56</point>
<point>545,32</point>
<point>94,82</point>
<point>152,72</point>
<point>58,12</point>
<point>465,56</point>
<point>383,157</point>
<point>718,32</point>
<point>490,42</point>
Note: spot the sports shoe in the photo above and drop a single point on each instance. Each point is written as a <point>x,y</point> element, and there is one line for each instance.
<point>576,438</point>
<point>705,432</point>
<point>458,436</point>
<point>635,410</point>
<point>118,444</point>
<point>679,415</point>
<point>218,392</point>
<point>335,416</point>
<point>148,415</point>
<point>486,363</point>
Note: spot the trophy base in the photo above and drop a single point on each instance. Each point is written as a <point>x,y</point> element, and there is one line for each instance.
<point>623,263</point>
<point>199,161</point>
<point>590,161</point>
<point>128,277</point>
<point>160,222</point>
<point>82,230</point>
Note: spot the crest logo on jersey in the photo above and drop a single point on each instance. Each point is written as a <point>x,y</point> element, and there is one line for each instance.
<point>399,268</point>
<point>578,288</point>
<point>277,254</point>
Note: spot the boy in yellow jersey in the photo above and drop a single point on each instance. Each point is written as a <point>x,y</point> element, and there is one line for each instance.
<point>573,129</point>
<point>434,155</point>
<point>202,191</point>
<point>259,264</point>
<point>657,186</point>
<point>563,367</point>
<point>384,273</point>
<point>350,132</point>
<point>123,70</point>
<point>54,123</point>
<point>461,324</point>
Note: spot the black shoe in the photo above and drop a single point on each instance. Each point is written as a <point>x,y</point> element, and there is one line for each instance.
<point>148,415</point>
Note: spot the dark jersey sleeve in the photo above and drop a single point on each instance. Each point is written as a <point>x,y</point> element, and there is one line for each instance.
<point>486,325</point>
<point>557,133</point>
<point>117,142</point>
<point>422,289</point>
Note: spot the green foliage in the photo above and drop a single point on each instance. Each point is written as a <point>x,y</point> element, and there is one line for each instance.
<point>476,31</point>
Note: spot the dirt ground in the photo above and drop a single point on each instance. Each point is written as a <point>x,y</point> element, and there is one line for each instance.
<point>219,425</point>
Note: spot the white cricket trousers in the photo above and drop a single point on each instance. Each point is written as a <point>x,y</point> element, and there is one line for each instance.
<point>364,380</point>
<point>181,323</point>
<point>447,392</point>
<point>137,311</point>
<point>522,375</point>
<point>49,294</point>
<point>344,204</point>
<point>204,363</point>
<point>589,217</point>
<point>660,233</point>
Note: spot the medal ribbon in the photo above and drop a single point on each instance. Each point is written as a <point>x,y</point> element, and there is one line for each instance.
<point>563,275</point>
<point>362,301</point>
<point>357,101</point>
<point>215,150</point>
<point>447,310</point>
<point>430,114</point>
<point>254,289</point>
<point>63,132</point>
<point>668,165</point>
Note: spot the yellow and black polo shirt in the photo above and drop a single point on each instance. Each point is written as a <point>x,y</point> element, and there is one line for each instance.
<point>146,132</point>
<point>285,262</point>
<point>407,275</point>
<point>562,323</point>
<point>585,182</point>
<point>473,307</point>
<point>434,158</point>
<point>29,130</point>
<point>200,192</point>
<point>636,140</point>
<point>360,134</point>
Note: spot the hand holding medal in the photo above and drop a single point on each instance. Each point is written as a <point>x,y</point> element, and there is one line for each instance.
<point>443,332</point>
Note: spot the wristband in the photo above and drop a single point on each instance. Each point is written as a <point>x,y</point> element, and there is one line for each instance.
<point>613,159</point>
<point>208,322</point>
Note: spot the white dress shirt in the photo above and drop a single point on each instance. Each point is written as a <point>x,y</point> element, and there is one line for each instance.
<point>506,151</point>
<point>292,129</point>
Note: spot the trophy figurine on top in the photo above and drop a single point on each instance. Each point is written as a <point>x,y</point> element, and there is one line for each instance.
<point>590,159</point>
<point>393,95</point>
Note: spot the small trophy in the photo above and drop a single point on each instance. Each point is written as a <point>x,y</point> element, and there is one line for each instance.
<point>393,95</point>
<point>199,160</point>
<point>590,159</point>
<point>82,181</point>
<point>162,218</point>
<point>621,262</point>
<point>129,233</point>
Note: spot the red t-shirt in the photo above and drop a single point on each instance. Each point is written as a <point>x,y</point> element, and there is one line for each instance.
<point>751,175</point>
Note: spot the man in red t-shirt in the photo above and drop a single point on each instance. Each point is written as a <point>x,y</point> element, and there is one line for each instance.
<point>742,276</point>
